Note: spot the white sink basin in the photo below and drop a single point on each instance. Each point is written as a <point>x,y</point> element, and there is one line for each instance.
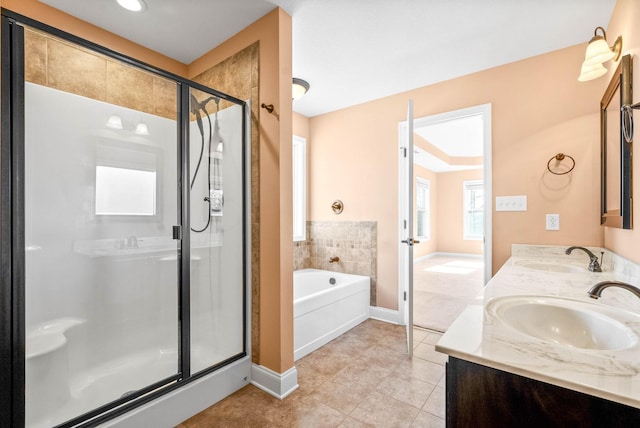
<point>563,321</point>
<point>551,266</point>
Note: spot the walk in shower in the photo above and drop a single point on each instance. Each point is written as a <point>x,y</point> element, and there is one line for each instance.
<point>124,273</point>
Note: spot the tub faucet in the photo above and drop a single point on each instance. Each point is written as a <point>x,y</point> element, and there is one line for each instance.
<point>334,259</point>
<point>594,265</point>
<point>132,242</point>
<point>596,291</point>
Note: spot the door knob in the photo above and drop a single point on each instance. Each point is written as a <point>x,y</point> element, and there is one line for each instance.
<point>410,241</point>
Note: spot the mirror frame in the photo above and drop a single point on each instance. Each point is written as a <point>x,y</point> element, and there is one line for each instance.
<point>620,85</point>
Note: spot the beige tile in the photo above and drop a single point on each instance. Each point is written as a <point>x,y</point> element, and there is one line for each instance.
<point>342,396</point>
<point>363,394</point>
<point>349,422</point>
<point>348,345</point>
<point>419,335</point>
<point>384,356</point>
<point>422,369</point>
<point>308,412</point>
<point>432,338</point>
<point>380,410</point>
<point>164,98</point>
<point>436,403</point>
<point>427,420</point>
<point>73,70</point>
<point>309,377</point>
<point>129,87</point>
<point>327,361</point>
<point>407,389</point>
<point>364,373</point>
<point>35,57</point>
<point>429,353</point>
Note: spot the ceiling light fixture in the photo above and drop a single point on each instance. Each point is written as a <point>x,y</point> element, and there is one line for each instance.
<point>598,52</point>
<point>133,5</point>
<point>299,88</point>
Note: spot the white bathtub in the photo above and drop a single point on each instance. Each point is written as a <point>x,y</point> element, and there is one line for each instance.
<point>323,311</point>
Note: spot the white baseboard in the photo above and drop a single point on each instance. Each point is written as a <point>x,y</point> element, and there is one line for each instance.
<point>277,384</point>
<point>384,314</point>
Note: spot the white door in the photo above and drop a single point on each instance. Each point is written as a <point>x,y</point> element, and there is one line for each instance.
<point>406,223</point>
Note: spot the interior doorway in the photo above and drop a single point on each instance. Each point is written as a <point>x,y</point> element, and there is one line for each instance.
<point>452,214</point>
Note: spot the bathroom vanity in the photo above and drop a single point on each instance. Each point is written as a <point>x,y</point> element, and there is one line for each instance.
<point>540,352</point>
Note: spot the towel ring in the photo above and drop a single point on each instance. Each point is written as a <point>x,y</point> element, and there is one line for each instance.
<point>560,157</point>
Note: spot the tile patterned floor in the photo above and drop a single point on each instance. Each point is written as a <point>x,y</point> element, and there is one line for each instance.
<point>364,378</point>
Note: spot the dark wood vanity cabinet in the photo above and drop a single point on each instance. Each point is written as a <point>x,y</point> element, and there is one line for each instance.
<point>479,396</point>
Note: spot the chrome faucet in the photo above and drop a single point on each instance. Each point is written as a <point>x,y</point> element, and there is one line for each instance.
<point>594,265</point>
<point>596,291</point>
<point>132,242</point>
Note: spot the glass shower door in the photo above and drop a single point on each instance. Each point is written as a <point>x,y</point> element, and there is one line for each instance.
<point>101,173</point>
<point>217,219</point>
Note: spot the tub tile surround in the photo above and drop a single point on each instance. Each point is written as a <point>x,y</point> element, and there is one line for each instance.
<point>354,242</point>
<point>480,337</point>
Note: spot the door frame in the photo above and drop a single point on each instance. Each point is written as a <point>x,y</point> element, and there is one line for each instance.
<point>485,111</point>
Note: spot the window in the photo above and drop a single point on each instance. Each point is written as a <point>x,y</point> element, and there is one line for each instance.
<point>473,209</point>
<point>299,155</point>
<point>123,191</point>
<point>127,181</point>
<point>423,208</point>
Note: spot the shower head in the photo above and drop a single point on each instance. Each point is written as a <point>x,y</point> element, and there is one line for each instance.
<point>195,109</point>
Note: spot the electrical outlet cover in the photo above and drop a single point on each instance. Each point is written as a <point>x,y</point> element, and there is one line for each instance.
<point>553,221</point>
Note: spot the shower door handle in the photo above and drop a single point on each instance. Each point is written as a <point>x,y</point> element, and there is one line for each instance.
<point>410,241</point>
<point>177,232</point>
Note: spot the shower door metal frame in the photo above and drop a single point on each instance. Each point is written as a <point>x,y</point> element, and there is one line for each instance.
<point>12,230</point>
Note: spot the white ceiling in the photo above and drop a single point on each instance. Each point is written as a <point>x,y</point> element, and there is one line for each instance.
<point>459,137</point>
<point>353,51</point>
<point>456,137</point>
<point>435,164</point>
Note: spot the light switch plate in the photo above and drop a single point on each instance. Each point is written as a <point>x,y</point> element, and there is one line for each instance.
<point>553,221</point>
<point>511,203</point>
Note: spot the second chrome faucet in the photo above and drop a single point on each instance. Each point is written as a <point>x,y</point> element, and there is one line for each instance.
<point>594,265</point>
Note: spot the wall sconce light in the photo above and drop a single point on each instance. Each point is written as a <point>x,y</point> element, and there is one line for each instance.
<point>142,129</point>
<point>598,52</point>
<point>114,122</point>
<point>299,88</point>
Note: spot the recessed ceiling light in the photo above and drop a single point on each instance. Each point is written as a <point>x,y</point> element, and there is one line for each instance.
<point>133,5</point>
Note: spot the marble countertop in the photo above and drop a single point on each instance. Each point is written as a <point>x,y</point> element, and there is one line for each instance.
<point>479,336</point>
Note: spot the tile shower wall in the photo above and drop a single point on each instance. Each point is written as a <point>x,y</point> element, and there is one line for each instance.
<point>354,242</point>
<point>238,76</point>
<point>56,64</point>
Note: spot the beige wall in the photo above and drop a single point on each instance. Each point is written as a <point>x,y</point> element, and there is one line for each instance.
<point>446,213</point>
<point>449,210</point>
<point>275,241</point>
<point>538,109</point>
<point>624,22</point>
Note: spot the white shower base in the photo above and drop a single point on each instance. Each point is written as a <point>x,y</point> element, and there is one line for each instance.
<point>109,381</point>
